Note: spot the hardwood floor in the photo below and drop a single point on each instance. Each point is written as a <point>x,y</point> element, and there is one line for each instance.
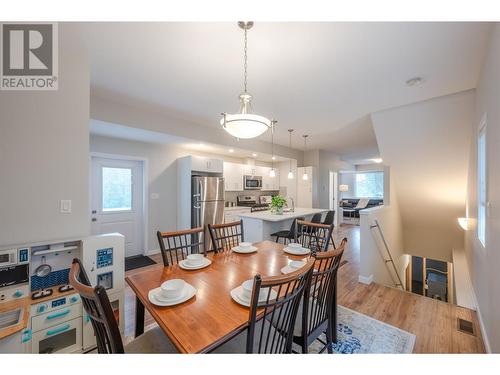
<point>433,322</point>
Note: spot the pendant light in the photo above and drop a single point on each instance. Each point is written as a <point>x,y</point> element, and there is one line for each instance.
<point>244,124</point>
<point>305,177</point>
<point>272,172</point>
<point>290,173</point>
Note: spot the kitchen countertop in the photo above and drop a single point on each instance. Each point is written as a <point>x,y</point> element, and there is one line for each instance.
<point>25,303</point>
<point>268,216</point>
<point>234,208</point>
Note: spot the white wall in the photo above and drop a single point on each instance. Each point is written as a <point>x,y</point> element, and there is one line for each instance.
<point>426,145</point>
<point>324,161</point>
<point>484,262</point>
<point>44,148</point>
<point>372,250</point>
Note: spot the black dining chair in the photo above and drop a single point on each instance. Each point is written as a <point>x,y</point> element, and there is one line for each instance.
<point>328,220</point>
<point>314,236</point>
<point>271,320</point>
<point>318,312</point>
<point>287,235</point>
<point>226,236</point>
<point>98,308</point>
<point>176,246</point>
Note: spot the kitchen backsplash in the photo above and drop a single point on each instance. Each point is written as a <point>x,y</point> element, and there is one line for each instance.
<point>230,196</point>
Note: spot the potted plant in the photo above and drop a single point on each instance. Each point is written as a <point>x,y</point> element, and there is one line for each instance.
<point>277,204</point>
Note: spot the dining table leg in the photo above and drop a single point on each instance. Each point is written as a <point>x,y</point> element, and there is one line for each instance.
<point>139,317</point>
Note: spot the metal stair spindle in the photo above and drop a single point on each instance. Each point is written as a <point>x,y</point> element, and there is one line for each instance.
<point>390,260</point>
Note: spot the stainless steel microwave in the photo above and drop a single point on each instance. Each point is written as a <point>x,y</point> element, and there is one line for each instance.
<point>252,182</point>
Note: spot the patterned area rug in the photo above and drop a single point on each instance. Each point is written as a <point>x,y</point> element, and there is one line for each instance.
<point>358,333</point>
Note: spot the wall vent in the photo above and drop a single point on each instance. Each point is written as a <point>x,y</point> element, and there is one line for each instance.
<point>466,326</point>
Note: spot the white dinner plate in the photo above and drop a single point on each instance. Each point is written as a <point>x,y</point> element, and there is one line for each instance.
<point>186,266</point>
<point>288,269</point>
<point>236,294</point>
<point>188,292</point>
<point>297,251</point>
<point>250,249</point>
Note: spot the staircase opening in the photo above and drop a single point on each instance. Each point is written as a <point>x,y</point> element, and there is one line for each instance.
<point>430,278</point>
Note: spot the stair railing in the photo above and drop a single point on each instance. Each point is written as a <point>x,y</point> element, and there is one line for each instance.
<point>390,260</point>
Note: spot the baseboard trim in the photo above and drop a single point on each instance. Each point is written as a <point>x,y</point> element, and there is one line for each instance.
<point>152,252</point>
<point>484,335</point>
<point>365,279</point>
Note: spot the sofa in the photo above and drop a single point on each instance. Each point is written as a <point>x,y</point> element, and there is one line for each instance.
<point>351,203</point>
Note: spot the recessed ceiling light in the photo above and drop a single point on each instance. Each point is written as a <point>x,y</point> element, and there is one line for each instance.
<point>415,81</point>
<point>254,155</point>
<point>274,158</point>
<point>231,150</point>
<point>377,160</point>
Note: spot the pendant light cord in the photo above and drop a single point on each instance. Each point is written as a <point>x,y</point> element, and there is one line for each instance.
<point>245,62</point>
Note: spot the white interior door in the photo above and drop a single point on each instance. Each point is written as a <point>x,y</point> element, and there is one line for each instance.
<point>117,200</point>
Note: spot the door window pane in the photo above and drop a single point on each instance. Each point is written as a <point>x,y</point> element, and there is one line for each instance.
<point>116,189</point>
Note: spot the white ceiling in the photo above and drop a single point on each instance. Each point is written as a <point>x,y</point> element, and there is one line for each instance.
<point>108,129</point>
<point>314,77</point>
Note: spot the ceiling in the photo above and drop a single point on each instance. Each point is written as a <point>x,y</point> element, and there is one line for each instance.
<point>321,79</point>
<point>108,129</point>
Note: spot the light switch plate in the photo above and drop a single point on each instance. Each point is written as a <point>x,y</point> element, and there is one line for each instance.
<point>155,196</point>
<point>65,206</point>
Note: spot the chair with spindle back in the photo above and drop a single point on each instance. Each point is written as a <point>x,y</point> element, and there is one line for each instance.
<point>329,218</point>
<point>176,246</point>
<point>314,236</point>
<point>98,308</point>
<point>272,319</point>
<point>226,236</point>
<point>318,312</point>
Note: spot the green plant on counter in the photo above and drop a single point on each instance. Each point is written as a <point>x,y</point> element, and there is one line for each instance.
<point>277,204</point>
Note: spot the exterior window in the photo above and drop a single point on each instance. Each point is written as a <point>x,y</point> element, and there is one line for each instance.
<point>116,189</point>
<point>370,185</point>
<point>481,188</point>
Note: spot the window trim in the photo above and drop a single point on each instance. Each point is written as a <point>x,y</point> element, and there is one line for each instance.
<point>482,176</point>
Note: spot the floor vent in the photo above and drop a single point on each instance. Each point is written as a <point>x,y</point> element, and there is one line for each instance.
<point>466,326</point>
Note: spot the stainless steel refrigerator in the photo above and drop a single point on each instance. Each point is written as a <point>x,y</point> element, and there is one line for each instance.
<point>207,203</point>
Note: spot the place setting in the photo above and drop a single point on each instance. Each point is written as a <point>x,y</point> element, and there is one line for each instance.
<point>243,293</point>
<point>194,262</point>
<point>293,266</point>
<point>244,248</point>
<point>171,292</point>
<point>295,248</point>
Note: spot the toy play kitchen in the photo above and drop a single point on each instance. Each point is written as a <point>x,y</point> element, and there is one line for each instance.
<point>39,310</point>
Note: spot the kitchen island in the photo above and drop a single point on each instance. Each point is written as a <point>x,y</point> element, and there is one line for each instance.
<point>258,226</point>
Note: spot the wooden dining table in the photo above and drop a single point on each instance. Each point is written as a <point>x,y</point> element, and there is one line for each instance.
<point>211,317</point>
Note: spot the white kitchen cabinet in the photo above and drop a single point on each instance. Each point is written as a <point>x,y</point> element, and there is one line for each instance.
<point>270,183</point>
<point>233,176</point>
<point>204,164</point>
<point>232,214</point>
<point>234,172</point>
<point>251,170</point>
